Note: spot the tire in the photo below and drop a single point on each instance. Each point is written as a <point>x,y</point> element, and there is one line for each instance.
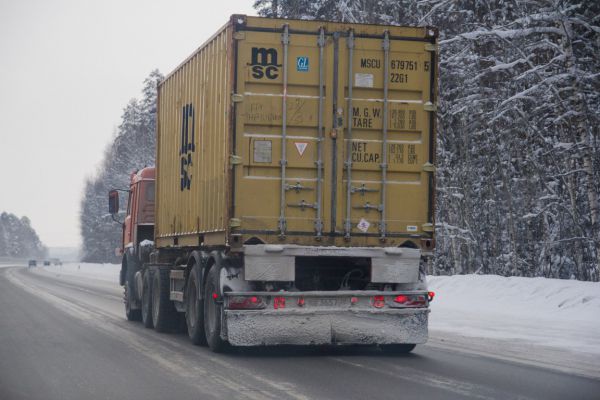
<point>194,309</point>
<point>164,314</point>
<point>213,311</point>
<point>131,313</point>
<point>398,348</point>
<point>147,300</point>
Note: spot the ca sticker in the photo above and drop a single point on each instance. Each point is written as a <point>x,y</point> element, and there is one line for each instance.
<point>301,147</point>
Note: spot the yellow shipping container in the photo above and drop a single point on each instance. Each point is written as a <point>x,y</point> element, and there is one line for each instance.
<point>299,132</point>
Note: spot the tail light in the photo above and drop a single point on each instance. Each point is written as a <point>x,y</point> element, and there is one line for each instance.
<point>301,302</point>
<point>246,303</point>
<point>402,299</point>
<point>411,300</point>
<point>279,302</point>
<point>378,301</point>
<point>430,295</point>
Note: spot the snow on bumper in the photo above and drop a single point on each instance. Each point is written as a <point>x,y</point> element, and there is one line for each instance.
<point>303,327</point>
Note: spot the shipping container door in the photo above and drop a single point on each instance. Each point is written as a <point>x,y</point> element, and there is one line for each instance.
<point>280,82</point>
<point>387,128</point>
<point>311,113</point>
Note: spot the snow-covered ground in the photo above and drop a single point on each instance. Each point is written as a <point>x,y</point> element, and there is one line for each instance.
<point>103,272</point>
<point>545,321</point>
<point>549,312</point>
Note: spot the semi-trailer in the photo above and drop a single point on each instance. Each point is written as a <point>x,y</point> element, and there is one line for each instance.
<point>292,201</point>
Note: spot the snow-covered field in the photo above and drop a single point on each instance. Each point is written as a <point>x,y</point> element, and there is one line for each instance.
<point>546,321</point>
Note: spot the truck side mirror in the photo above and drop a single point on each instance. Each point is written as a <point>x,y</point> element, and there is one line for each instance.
<point>113,202</point>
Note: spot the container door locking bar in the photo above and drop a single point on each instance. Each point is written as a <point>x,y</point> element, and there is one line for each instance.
<point>319,162</point>
<point>384,166</point>
<point>348,163</point>
<point>285,40</point>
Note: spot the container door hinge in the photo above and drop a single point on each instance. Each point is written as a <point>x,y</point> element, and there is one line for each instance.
<point>239,35</point>
<point>428,227</point>
<point>430,47</point>
<point>235,160</point>
<point>428,167</point>
<point>429,106</point>
<point>235,223</point>
<point>237,98</point>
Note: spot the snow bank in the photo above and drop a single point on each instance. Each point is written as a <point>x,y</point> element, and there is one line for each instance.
<point>550,312</point>
<point>104,272</point>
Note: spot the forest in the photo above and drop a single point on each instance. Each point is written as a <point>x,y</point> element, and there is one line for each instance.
<point>518,147</point>
<point>18,239</point>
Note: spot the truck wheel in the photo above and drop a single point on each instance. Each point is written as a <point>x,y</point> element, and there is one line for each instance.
<point>213,309</point>
<point>146,300</point>
<point>164,314</point>
<point>194,309</point>
<point>132,314</point>
<point>398,348</point>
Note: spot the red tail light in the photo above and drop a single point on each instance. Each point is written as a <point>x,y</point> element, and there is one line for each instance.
<point>430,295</point>
<point>401,299</point>
<point>279,302</point>
<point>300,301</point>
<point>353,300</point>
<point>245,303</point>
<point>378,301</point>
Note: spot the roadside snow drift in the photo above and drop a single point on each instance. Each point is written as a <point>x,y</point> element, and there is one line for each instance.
<point>549,312</point>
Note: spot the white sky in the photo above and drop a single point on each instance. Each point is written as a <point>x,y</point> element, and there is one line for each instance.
<point>67,69</point>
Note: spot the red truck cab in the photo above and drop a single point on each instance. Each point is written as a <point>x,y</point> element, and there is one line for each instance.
<point>139,221</point>
<point>138,226</point>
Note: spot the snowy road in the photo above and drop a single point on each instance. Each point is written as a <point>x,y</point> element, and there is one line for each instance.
<point>63,336</point>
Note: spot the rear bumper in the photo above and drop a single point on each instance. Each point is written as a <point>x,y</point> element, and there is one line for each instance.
<point>326,326</point>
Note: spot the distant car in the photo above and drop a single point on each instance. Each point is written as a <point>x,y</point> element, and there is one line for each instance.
<point>46,262</point>
<point>32,263</point>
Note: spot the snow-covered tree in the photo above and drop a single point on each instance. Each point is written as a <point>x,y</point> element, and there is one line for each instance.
<point>519,115</point>
<point>133,148</point>
<point>18,239</point>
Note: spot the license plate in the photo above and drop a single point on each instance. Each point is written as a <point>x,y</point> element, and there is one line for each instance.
<point>327,302</point>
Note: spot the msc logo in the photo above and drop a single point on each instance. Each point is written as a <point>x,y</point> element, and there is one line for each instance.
<point>264,63</point>
<point>188,145</point>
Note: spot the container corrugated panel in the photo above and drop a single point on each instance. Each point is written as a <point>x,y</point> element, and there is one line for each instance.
<point>193,132</point>
<point>332,133</point>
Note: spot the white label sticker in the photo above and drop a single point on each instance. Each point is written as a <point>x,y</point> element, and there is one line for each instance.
<point>411,228</point>
<point>301,146</point>
<point>363,225</point>
<point>363,80</point>
<point>262,151</point>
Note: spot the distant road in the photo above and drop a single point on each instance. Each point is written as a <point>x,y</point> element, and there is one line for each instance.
<point>70,340</point>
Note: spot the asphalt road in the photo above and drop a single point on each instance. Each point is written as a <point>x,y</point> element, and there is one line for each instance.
<point>62,337</point>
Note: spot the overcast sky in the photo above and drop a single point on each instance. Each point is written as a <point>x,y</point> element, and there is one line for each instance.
<point>67,69</point>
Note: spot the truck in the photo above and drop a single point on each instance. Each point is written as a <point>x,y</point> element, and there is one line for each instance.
<point>292,200</point>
